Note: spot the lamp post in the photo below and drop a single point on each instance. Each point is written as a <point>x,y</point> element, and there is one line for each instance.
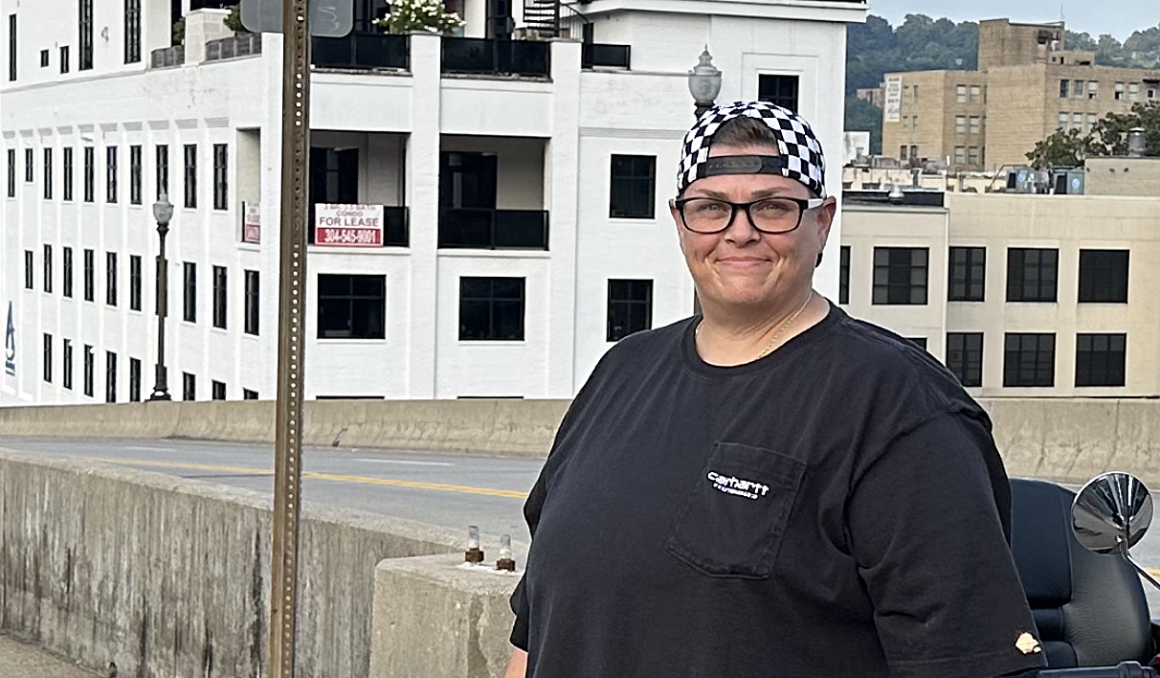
<point>704,85</point>
<point>163,213</point>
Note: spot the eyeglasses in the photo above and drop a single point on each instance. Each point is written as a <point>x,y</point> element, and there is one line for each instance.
<point>768,215</point>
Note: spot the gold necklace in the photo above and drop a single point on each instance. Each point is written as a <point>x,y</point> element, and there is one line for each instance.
<point>781,327</point>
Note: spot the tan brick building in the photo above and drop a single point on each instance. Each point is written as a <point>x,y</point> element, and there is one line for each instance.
<point>1027,87</point>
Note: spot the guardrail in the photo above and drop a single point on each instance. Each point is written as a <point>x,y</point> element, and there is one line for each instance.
<point>594,54</point>
<point>363,51</point>
<point>489,229</point>
<point>499,57</point>
<point>167,57</point>
<point>246,44</point>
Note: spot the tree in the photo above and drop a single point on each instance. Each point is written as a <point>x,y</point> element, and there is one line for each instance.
<point>863,116</point>
<point>234,20</point>
<point>1109,137</point>
<point>408,16</point>
<point>1064,148</point>
<point>1080,42</point>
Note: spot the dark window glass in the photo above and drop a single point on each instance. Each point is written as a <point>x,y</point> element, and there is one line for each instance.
<point>633,187</point>
<point>67,179</point>
<point>221,187</point>
<point>90,275</point>
<point>11,173</point>
<point>29,166</point>
<point>779,89</point>
<point>90,174</point>
<point>220,297</point>
<point>247,394</point>
<point>1099,359</point>
<point>86,35</point>
<point>188,386</point>
<point>491,309</point>
<point>1103,276</point>
<point>67,282</point>
<point>29,274</point>
<point>968,274</point>
<point>64,59</point>
<point>66,376</point>
<point>134,380</point>
<point>135,175</point>
<point>162,171</point>
<point>12,47</point>
<point>965,357</point>
<point>844,276</point>
<point>48,268</point>
<point>44,58</point>
<point>135,282</point>
<point>191,175</point>
<point>1032,274</point>
<point>111,278</point>
<point>132,31</point>
<point>900,275</point>
<point>1029,360</point>
<point>253,302</point>
<point>219,390</point>
<point>629,307</point>
<point>352,306</point>
<point>111,173</point>
<point>88,375</point>
<point>48,174</point>
<point>47,358</point>
<point>110,377</point>
<point>190,296</point>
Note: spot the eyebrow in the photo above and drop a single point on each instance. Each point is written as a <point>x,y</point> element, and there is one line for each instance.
<point>757,195</point>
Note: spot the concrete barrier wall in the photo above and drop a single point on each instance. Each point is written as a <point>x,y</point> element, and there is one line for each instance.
<point>171,579</point>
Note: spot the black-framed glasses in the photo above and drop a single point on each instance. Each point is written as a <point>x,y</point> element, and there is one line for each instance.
<point>768,215</point>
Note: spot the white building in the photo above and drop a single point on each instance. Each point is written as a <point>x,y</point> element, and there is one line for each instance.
<point>527,221</point>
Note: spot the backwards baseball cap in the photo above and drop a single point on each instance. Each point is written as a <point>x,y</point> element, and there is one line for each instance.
<point>799,156</point>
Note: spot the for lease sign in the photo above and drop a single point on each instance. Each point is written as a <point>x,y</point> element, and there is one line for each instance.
<point>348,225</point>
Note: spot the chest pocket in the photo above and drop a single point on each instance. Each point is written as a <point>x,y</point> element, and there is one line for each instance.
<point>735,515</point>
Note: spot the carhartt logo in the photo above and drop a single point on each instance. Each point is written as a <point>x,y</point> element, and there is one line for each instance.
<point>738,486</point>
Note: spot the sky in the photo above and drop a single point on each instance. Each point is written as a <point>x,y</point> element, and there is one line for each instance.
<point>1118,17</point>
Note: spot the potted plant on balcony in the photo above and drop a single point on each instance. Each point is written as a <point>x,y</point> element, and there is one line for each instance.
<point>411,16</point>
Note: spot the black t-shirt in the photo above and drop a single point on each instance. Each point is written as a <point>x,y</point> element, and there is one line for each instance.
<point>834,509</point>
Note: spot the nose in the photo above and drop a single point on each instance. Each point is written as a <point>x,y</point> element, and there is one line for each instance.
<point>741,228</point>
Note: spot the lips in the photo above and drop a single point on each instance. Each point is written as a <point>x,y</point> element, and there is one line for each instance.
<point>742,262</point>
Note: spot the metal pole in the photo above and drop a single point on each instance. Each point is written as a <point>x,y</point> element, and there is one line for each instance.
<point>161,386</point>
<point>291,297</point>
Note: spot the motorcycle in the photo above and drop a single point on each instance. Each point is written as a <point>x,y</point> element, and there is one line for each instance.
<point>1088,602</point>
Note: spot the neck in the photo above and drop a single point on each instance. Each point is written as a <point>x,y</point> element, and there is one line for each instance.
<point>727,338</point>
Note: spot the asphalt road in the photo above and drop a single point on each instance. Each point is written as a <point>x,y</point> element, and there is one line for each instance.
<point>451,490</point>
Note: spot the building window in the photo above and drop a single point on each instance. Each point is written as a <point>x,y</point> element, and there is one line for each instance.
<point>132,31</point>
<point>188,386</point>
<point>1093,89</point>
<point>47,358</point>
<point>1029,360</point>
<point>90,275</point>
<point>976,124</point>
<point>12,47</point>
<point>900,275</point>
<point>633,187</point>
<point>111,278</point>
<point>1099,359</point>
<point>968,274</point>
<point>220,297</point>
<point>976,94</point>
<point>219,390</point>
<point>491,309</point>
<point>68,271</point>
<point>134,282</point>
<point>253,303</point>
<point>960,124</point>
<point>44,58</point>
<point>915,125</point>
<point>88,375</point>
<point>1103,276</point>
<point>905,123</point>
<point>66,375</point>
<point>779,89</point>
<point>110,377</point>
<point>965,357</point>
<point>86,35</point>
<point>1032,274</point>
<point>1077,121</point>
<point>960,155</point>
<point>191,176</point>
<point>28,273</point>
<point>352,306</point>
<point>90,174</point>
<point>111,173</point>
<point>1134,92</point>
<point>844,276</point>
<point>48,268</point>
<point>247,394</point>
<point>629,307</point>
<point>190,296</point>
<point>67,179</point>
<point>1119,91</point>
<point>221,187</point>
<point>974,157</point>
<point>48,174</point>
<point>11,173</point>
<point>1063,118</point>
<point>1077,89</point>
<point>29,166</point>
<point>902,152</point>
<point>134,380</point>
<point>134,175</point>
<point>64,59</point>
<point>914,150</point>
<point>961,94</point>
<point>162,171</point>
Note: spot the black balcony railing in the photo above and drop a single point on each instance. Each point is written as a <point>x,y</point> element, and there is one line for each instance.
<point>396,226</point>
<point>242,45</point>
<point>167,57</point>
<point>363,51</point>
<point>480,55</point>
<point>605,56</point>
<point>487,229</point>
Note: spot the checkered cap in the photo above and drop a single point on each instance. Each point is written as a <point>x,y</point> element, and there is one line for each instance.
<point>796,143</point>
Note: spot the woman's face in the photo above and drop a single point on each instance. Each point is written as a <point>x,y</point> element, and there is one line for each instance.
<point>741,267</point>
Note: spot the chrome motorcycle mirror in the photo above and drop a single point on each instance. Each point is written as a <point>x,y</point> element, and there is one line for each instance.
<point>1111,514</point>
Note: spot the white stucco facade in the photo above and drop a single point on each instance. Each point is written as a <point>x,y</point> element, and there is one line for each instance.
<point>552,137</point>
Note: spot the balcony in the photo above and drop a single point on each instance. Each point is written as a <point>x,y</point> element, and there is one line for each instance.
<point>167,57</point>
<point>496,57</point>
<point>492,229</point>
<point>363,51</point>
<point>596,55</point>
<point>396,227</point>
<point>247,44</point>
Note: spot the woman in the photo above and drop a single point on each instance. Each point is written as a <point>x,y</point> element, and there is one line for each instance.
<point>772,488</point>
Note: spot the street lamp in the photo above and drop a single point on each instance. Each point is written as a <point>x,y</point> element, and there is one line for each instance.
<point>704,83</point>
<point>163,213</point>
